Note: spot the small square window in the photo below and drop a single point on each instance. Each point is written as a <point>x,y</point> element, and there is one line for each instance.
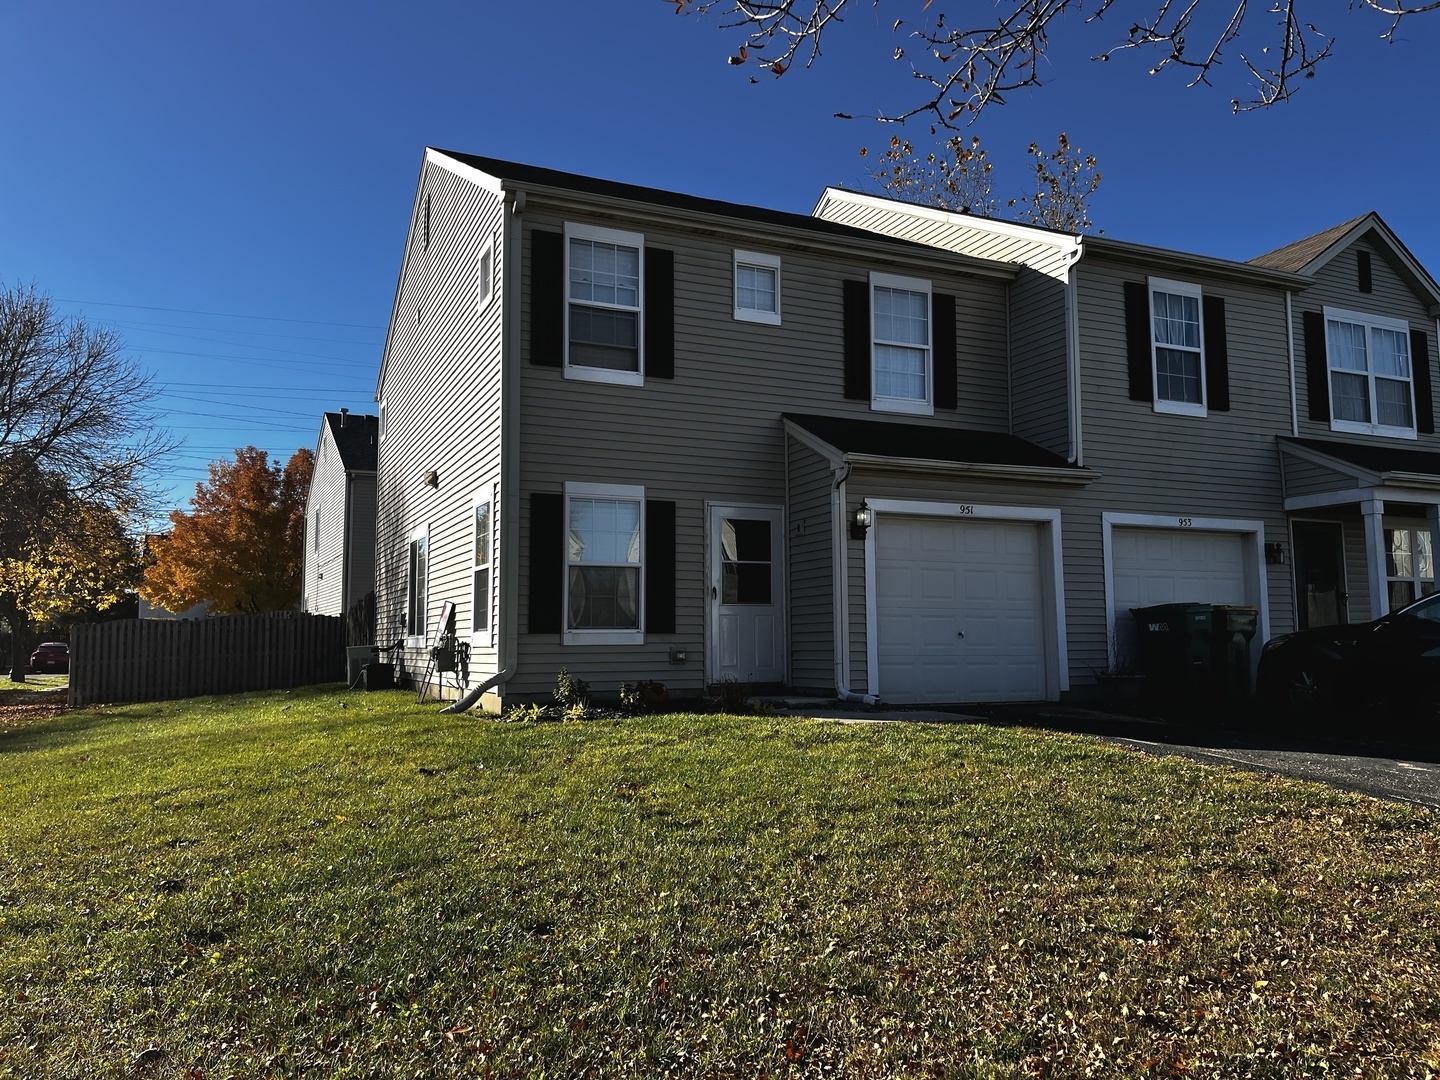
<point>757,287</point>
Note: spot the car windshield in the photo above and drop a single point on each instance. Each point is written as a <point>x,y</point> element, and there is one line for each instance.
<point>1427,607</point>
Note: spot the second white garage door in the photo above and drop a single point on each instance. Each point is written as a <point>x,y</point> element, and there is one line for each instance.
<point>1177,566</point>
<point>960,610</point>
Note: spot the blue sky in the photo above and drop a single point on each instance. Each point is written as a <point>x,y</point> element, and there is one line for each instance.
<point>229,185</point>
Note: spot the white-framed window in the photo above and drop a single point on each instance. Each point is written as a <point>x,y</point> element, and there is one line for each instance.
<point>605,560</point>
<point>757,287</point>
<point>485,276</point>
<point>315,528</point>
<point>417,587</point>
<point>482,531</point>
<point>1177,347</point>
<point>1371,387</point>
<point>900,346</point>
<point>604,281</point>
<point>1409,565</point>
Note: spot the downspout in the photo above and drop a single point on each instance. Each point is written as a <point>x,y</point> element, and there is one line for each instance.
<point>508,617</point>
<point>1290,344</point>
<point>842,590</point>
<point>1076,450</point>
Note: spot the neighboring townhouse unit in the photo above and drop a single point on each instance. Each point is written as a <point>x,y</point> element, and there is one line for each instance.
<point>880,452</point>
<point>1264,431</point>
<point>621,431</point>
<point>340,515</point>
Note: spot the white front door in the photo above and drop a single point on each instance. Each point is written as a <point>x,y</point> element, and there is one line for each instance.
<point>747,631</point>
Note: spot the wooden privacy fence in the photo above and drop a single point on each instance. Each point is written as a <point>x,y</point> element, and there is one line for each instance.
<point>159,659</point>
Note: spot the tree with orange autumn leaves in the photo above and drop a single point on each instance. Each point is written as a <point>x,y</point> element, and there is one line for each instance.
<point>241,549</point>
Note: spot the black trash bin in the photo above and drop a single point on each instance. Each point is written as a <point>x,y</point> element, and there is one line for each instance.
<point>1175,648</point>
<point>379,676</point>
<point>1233,629</point>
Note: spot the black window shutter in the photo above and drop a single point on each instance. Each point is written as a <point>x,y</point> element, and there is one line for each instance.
<point>1420,364</point>
<point>1362,259</point>
<point>547,298</point>
<point>1317,366</point>
<point>659,313</point>
<point>547,562</point>
<point>1217,355</point>
<point>857,340</point>
<point>1137,341</point>
<point>942,315</point>
<point>659,566</point>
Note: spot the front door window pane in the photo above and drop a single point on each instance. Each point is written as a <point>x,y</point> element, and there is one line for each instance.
<point>745,553</point>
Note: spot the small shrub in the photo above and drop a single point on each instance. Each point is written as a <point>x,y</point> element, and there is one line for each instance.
<point>644,697</point>
<point>733,695</point>
<point>532,713</point>
<point>576,711</point>
<point>570,690</point>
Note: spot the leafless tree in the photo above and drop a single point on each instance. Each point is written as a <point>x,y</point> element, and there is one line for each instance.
<point>957,175</point>
<point>78,440</point>
<point>966,66</point>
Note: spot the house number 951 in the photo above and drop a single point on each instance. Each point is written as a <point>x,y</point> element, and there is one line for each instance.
<point>1185,523</point>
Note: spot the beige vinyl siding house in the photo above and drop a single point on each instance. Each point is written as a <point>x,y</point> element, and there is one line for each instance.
<point>340,515</point>
<point>1355,471</point>
<point>439,395</point>
<point>881,452</point>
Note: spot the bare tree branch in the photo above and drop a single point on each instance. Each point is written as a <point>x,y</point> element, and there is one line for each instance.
<point>967,68</point>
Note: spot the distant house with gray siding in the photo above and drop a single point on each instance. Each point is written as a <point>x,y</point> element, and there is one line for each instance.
<point>340,515</point>
<point>879,451</point>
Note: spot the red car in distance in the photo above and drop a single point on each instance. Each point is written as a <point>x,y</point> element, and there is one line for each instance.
<point>51,656</point>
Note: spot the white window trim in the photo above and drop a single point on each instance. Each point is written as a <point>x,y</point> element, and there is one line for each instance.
<point>1175,408</point>
<point>1370,322</point>
<point>1051,566</point>
<point>1414,578</point>
<point>412,639</point>
<point>763,261</point>
<point>904,405</point>
<point>603,637</point>
<point>574,230</point>
<point>484,636</point>
<point>483,296</point>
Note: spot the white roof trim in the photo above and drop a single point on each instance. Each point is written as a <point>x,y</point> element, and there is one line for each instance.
<point>1372,220</point>
<point>480,179</point>
<point>1062,241</point>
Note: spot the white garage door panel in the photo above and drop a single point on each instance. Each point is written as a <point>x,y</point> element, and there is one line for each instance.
<point>1174,566</point>
<point>959,610</point>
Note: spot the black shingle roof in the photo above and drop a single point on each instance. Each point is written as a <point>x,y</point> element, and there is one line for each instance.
<point>1379,459</point>
<point>928,442</point>
<point>534,174</point>
<point>355,438</point>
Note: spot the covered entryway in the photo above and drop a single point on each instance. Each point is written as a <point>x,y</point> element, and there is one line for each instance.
<point>962,607</point>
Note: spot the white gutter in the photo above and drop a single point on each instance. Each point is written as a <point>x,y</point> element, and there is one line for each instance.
<point>839,531</point>
<point>1290,344</point>
<point>508,617</point>
<point>1076,451</point>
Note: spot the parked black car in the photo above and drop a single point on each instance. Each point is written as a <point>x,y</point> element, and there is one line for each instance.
<point>51,656</point>
<point>1393,660</point>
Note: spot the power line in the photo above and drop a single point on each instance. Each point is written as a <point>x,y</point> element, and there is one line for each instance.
<point>222,314</point>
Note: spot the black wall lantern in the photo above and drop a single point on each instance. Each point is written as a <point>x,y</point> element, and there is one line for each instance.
<point>860,525</point>
<point>1275,553</point>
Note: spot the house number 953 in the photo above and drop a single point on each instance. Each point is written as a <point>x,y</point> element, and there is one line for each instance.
<point>1185,523</point>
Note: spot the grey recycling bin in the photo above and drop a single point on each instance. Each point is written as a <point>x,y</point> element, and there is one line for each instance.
<point>1233,627</point>
<point>1175,648</point>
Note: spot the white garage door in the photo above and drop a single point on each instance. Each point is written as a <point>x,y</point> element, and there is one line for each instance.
<point>960,613</point>
<point>1175,566</point>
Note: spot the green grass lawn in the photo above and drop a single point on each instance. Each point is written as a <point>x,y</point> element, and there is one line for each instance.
<point>324,884</point>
